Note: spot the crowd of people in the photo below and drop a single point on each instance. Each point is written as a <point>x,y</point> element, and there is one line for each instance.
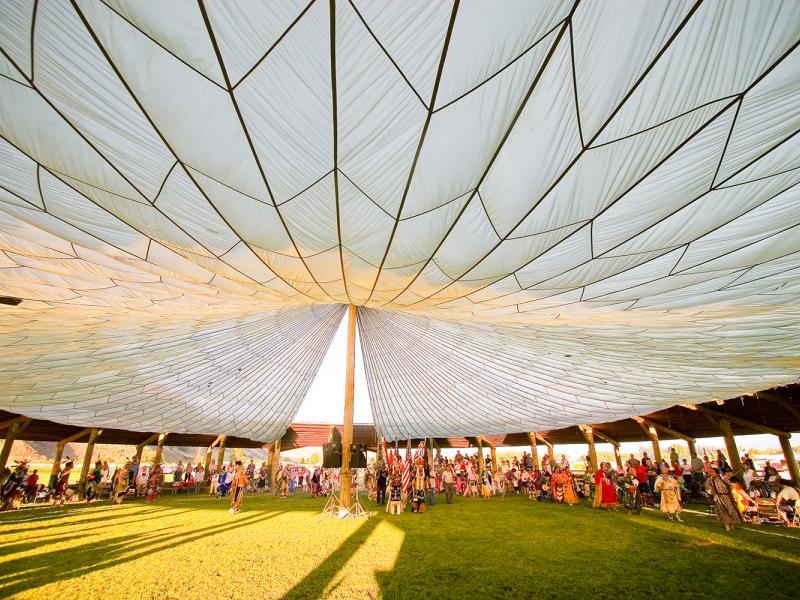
<point>641,481</point>
<point>666,484</point>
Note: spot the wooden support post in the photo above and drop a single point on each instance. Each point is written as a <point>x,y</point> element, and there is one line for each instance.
<point>209,456</point>
<point>617,456</point>
<point>270,462</point>
<point>615,443</point>
<point>56,468</point>
<point>14,430</point>
<point>430,455</point>
<point>492,452</point>
<point>652,435</point>
<point>534,449</point>
<point>87,459</point>
<point>221,452</point>
<point>159,448</point>
<point>791,460</point>
<point>730,445</point>
<point>275,465</point>
<point>692,448</point>
<point>479,441</point>
<point>588,435</point>
<point>550,451</point>
<point>140,449</point>
<point>347,433</point>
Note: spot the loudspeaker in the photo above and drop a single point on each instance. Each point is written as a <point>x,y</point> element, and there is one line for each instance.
<point>332,455</point>
<point>358,456</point>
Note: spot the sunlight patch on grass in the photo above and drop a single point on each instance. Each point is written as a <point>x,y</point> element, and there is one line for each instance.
<point>377,554</point>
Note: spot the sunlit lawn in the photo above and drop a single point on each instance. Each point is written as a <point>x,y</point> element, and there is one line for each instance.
<point>190,547</point>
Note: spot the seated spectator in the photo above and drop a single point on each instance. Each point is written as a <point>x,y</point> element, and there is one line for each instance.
<point>787,501</point>
<point>177,476</point>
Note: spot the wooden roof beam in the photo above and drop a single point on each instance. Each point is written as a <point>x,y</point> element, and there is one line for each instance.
<point>147,442</point>
<point>668,430</point>
<point>605,437</point>
<point>75,436</point>
<point>716,414</point>
<point>484,441</point>
<point>10,422</point>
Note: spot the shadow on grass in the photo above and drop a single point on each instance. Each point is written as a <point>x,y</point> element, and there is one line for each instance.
<point>102,519</point>
<point>49,538</point>
<point>29,572</point>
<point>314,584</point>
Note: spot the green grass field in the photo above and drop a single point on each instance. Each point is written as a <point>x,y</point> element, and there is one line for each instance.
<point>190,547</point>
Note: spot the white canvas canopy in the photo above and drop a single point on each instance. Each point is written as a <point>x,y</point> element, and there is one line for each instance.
<point>551,212</point>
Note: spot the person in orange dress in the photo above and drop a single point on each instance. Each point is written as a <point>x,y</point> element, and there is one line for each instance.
<point>570,494</point>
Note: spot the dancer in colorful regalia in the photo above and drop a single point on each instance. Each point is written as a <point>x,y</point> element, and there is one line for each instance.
<point>606,489</point>
<point>418,484</point>
<point>395,504</point>
<point>238,486</point>
<point>570,493</point>
<point>557,481</point>
<point>153,481</point>
<point>719,490</point>
<point>62,484</point>
<point>670,494</point>
<point>631,499</point>
<point>120,484</point>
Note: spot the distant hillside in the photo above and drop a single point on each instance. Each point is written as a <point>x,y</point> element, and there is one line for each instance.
<point>44,452</point>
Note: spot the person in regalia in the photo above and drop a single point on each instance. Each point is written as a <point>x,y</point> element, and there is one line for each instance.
<point>153,480</point>
<point>418,486</point>
<point>557,485</point>
<point>570,493</point>
<point>719,490</point>
<point>631,499</point>
<point>120,484</point>
<point>395,505</point>
<point>62,483</point>
<point>670,494</point>
<point>610,498</point>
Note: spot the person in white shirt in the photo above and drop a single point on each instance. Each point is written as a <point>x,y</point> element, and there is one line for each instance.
<point>747,476</point>
<point>787,502</point>
<point>686,471</point>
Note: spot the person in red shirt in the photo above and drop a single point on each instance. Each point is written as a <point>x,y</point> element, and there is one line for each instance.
<point>641,477</point>
<point>33,486</point>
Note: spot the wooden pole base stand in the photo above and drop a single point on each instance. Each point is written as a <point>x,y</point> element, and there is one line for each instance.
<point>335,508</point>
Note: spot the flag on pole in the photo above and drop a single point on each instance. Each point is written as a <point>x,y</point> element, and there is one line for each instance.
<point>387,462</point>
<point>407,468</point>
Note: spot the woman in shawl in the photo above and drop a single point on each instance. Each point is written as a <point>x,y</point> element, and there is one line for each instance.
<point>719,490</point>
<point>631,499</point>
<point>607,489</point>
<point>670,491</point>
